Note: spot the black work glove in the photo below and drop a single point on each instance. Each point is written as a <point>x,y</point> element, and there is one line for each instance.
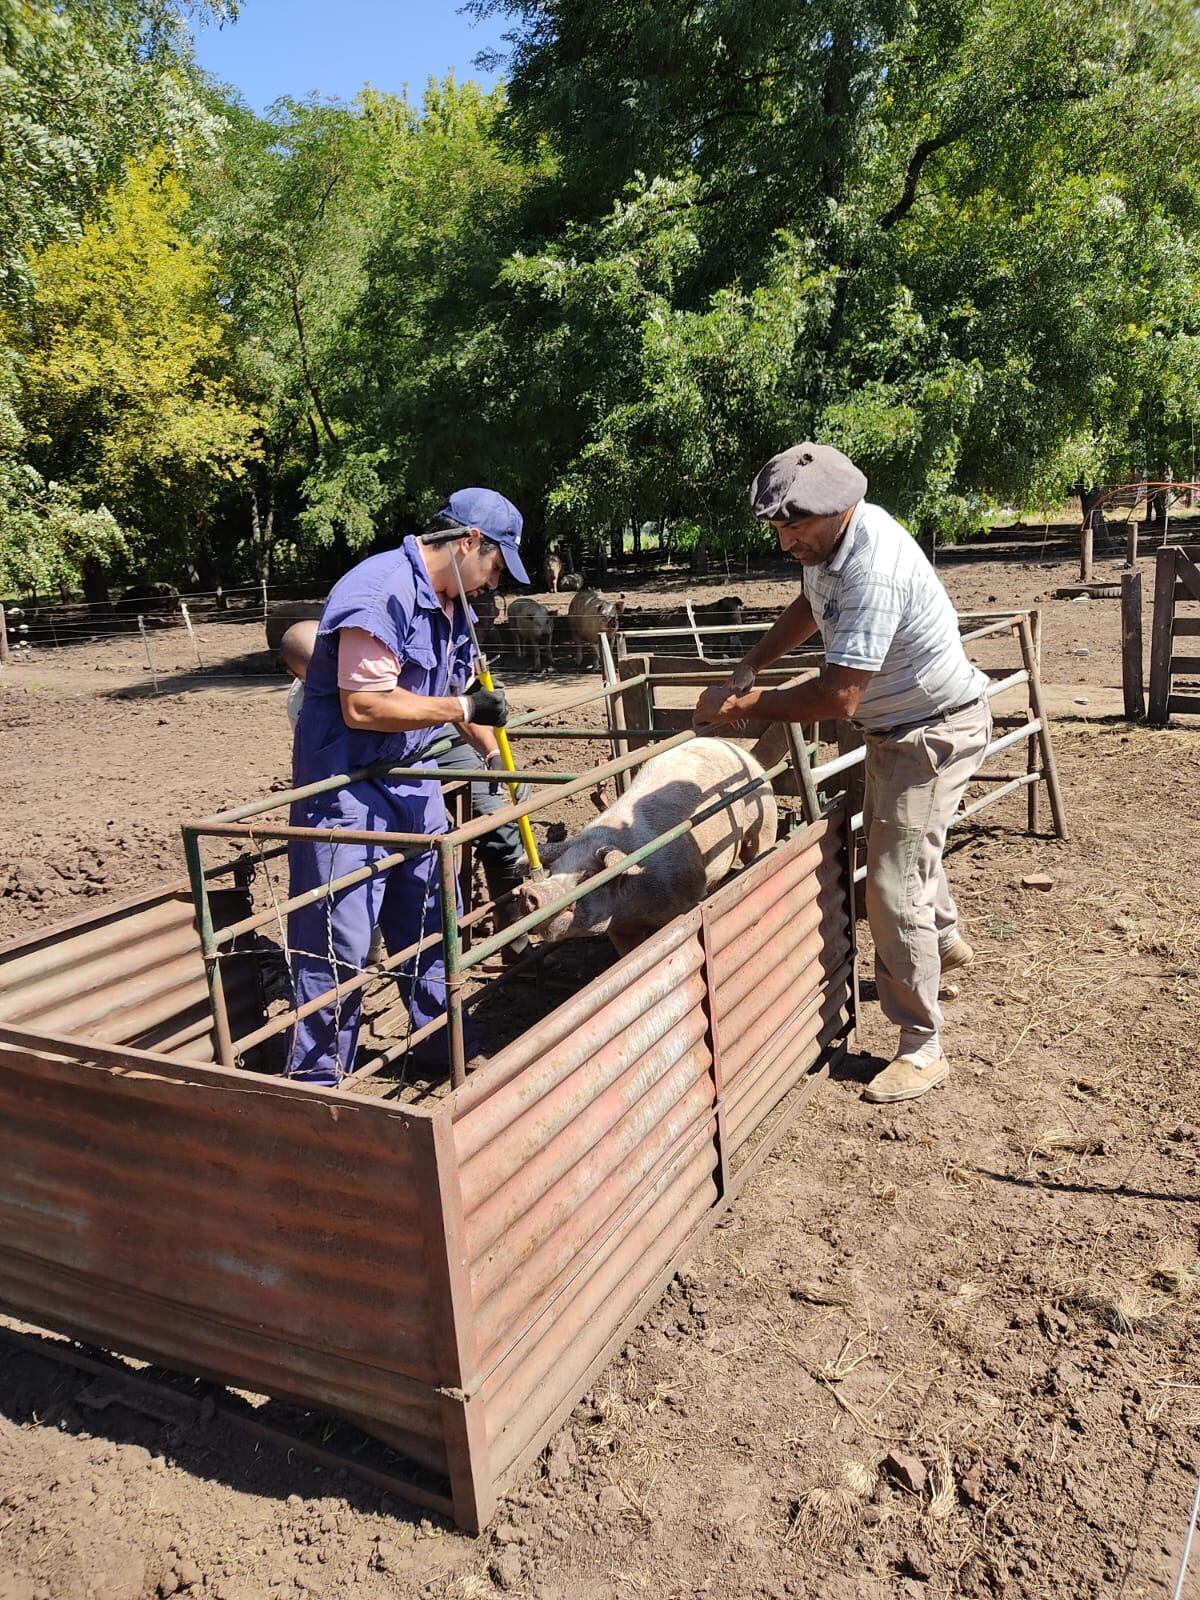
<point>488,707</point>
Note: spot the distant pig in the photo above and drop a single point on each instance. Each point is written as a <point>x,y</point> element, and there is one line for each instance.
<point>531,626</point>
<point>553,568</point>
<point>669,789</point>
<point>591,615</point>
<point>571,580</point>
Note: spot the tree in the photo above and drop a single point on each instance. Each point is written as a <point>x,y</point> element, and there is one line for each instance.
<point>83,88</point>
<point>1002,233</point>
<point>126,395</point>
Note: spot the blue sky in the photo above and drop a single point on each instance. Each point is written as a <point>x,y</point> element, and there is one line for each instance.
<point>294,47</point>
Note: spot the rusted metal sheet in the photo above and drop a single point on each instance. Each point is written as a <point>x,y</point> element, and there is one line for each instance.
<point>450,1278</point>
<point>232,1228</point>
<point>588,1152</point>
<point>129,974</point>
<point>558,1153</point>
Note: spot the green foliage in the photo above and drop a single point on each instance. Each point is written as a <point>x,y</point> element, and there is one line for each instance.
<point>83,87</point>
<point>959,240</point>
<point>126,399</point>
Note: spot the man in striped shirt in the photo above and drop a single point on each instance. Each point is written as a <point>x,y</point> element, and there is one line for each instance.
<point>894,664</point>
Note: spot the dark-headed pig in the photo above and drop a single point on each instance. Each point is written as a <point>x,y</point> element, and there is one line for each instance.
<point>532,630</point>
<point>592,614</point>
<point>669,789</point>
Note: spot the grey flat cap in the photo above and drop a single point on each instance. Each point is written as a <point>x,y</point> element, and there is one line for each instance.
<point>813,480</point>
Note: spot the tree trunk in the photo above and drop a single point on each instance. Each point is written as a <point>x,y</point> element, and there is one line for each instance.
<point>3,635</point>
<point>95,584</point>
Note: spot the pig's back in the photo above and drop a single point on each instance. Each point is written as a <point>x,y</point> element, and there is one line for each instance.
<point>672,787</point>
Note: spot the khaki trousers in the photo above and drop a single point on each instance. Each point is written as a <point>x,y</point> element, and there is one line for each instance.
<point>914,782</point>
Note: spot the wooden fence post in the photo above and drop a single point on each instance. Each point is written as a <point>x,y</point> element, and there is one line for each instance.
<point>1160,636</point>
<point>1132,682</point>
<point>1131,543</point>
<point>1086,536</point>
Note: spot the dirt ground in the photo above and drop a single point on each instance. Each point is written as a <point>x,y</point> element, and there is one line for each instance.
<point>941,1349</point>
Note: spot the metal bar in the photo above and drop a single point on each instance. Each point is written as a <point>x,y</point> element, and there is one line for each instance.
<point>208,948</point>
<point>598,734</point>
<point>1049,766</point>
<point>575,702</point>
<point>836,764</point>
<point>310,897</point>
<point>1019,782</point>
<point>850,827</point>
<point>607,769</point>
<point>1025,731</point>
<point>798,752</point>
<point>614,709</point>
<point>1003,685</point>
<point>691,680</point>
<point>448,884</point>
<point>607,874</point>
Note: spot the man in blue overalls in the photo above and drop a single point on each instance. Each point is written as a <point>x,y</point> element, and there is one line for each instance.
<point>392,657</point>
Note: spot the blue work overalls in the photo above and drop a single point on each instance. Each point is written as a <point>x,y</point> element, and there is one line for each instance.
<point>389,595</point>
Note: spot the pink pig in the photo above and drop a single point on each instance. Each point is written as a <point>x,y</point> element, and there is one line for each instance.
<point>669,789</point>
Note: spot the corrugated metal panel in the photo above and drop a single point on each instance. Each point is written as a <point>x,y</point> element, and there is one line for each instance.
<point>130,974</point>
<point>449,1279</point>
<point>780,949</point>
<point>562,1150</point>
<point>272,1238</point>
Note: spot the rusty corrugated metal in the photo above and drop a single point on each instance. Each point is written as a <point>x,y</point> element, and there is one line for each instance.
<point>228,1226</point>
<point>588,1151</point>
<point>449,1278</point>
<point>128,974</point>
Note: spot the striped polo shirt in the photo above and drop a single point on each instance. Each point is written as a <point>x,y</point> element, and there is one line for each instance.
<point>881,608</point>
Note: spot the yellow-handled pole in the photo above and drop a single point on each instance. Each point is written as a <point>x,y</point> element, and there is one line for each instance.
<point>506,755</point>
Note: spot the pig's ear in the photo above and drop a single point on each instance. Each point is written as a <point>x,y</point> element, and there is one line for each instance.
<point>607,856</point>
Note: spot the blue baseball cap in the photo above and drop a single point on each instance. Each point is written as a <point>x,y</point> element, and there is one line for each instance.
<point>494,516</point>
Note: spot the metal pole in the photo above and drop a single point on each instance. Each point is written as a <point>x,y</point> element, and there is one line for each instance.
<point>149,657</point>
<point>447,883</point>
<point>208,946</point>
<point>691,616</point>
<point>263,587</point>
<point>187,622</point>
<point>614,707</point>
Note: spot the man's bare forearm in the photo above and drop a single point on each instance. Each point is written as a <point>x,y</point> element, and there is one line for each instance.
<point>791,628</point>
<point>814,701</point>
<point>398,710</point>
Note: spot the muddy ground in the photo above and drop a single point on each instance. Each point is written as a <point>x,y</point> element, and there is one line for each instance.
<point>942,1349</point>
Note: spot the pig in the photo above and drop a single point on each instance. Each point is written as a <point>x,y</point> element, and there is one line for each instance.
<point>669,789</point>
<point>488,614</point>
<point>553,568</point>
<point>531,626</point>
<point>571,581</point>
<point>591,614</point>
